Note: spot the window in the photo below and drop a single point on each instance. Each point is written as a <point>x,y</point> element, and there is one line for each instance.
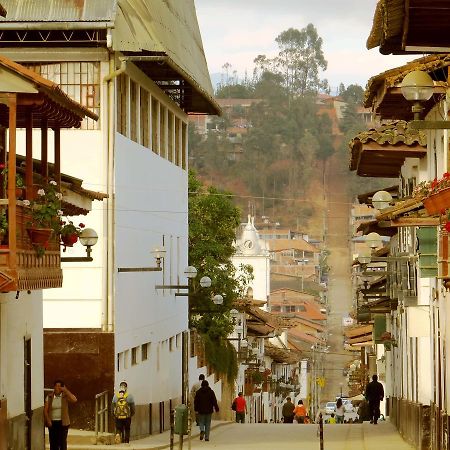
<point>276,308</point>
<point>155,126</point>
<point>122,101</point>
<point>163,130</point>
<point>145,350</point>
<point>170,135</point>
<point>126,359</point>
<point>183,145</point>
<point>134,356</point>
<point>178,340</point>
<point>171,344</point>
<point>133,110</point>
<point>144,122</point>
<point>79,80</point>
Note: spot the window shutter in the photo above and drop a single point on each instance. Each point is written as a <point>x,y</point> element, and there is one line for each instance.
<point>427,237</point>
<point>379,327</point>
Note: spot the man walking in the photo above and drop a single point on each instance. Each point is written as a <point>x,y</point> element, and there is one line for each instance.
<point>288,411</point>
<point>374,394</point>
<point>123,408</point>
<point>194,390</point>
<point>240,408</point>
<point>204,404</point>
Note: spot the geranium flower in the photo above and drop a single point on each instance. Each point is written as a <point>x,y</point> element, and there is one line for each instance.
<point>26,203</point>
<point>53,182</point>
<point>59,195</point>
<point>41,192</point>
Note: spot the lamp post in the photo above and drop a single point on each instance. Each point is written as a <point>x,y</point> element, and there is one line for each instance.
<point>88,238</point>
<point>418,87</point>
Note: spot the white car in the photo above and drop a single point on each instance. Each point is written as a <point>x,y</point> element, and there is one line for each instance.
<point>348,405</point>
<point>330,407</point>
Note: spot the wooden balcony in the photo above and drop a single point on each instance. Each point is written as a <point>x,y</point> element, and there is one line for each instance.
<point>31,102</point>
<point>24,269</point>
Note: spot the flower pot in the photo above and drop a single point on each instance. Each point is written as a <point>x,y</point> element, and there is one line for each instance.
<point>69,239</point>
<point>438,202</point>
<point>39,236</point>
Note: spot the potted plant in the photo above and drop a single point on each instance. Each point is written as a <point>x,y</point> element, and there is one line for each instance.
<point>435,194</point>
<point>45,216</point>
<point>70,233</point>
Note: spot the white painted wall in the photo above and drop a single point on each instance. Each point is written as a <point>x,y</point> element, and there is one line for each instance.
<point>151,208</point>
<point>83,289</point>
<point>21,319</point>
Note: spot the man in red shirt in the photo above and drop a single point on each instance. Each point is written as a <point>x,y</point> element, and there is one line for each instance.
<point>241,408</point>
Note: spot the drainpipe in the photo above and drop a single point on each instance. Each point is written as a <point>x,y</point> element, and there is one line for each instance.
<point>108,305</point>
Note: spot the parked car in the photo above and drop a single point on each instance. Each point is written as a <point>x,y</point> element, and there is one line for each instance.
<point>330,407</point>
<point>348,405</point>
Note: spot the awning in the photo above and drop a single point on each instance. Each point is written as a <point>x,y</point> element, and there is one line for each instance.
<point>410,26</point>
<point>381,152</point>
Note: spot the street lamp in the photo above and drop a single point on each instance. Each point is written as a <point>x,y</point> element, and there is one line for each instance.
<point>88,238</point>
<point>418,87</point>
<point>381,199</point>
<point>158,253</point>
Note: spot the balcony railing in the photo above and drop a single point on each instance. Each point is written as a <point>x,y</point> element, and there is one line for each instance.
<point>21,267</point>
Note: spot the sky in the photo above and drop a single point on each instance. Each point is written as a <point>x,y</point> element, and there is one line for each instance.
<point>236,31</point>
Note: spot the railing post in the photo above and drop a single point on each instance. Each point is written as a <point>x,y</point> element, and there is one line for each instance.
<point>96,419</point>
<point>321,431</point>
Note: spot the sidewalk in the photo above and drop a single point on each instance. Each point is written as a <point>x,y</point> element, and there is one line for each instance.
<point>156,441</point>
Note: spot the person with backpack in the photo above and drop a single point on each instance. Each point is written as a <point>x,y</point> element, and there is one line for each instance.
<point>123,409</point>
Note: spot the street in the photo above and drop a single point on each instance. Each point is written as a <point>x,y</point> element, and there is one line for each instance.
<point>304,437</point>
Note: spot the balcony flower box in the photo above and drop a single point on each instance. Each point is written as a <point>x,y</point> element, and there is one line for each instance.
<point>438,202</point>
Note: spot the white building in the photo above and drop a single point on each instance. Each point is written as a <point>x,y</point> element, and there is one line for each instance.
<point>251,250</point>
<point>106,325</point>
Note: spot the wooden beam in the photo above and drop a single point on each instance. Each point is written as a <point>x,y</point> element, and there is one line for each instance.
<point>44,149</point>
<point>410,222</point>
<point>12,232</point>
<point>29,155</point>
<point>57,166</point>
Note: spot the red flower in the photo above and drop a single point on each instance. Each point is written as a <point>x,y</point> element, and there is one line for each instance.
<point>82,225</point>
<point>2,166</point>
<point>446,175</point>
<point>447,226</point>
<point>434,183</point>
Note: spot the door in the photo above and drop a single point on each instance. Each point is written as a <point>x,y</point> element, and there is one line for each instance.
<point>27,392</point>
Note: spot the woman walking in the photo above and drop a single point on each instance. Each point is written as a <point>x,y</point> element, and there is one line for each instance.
<point>340,411</point>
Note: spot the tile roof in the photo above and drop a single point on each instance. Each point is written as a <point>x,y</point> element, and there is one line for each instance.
<point>278,245</point>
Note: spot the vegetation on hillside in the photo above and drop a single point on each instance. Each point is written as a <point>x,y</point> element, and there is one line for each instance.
<point>270,153</point>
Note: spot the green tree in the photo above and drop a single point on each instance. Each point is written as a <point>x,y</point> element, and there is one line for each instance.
<point>354,93</point>
<point>213,219</point>
<point>301,59</point>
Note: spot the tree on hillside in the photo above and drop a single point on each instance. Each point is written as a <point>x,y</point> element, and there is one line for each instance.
<point>213,219</point>
<point>354,93</point>
<point>299,61</point>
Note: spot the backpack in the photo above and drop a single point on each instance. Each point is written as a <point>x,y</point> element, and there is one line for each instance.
<point>122,409</point>
<point>233,405</point>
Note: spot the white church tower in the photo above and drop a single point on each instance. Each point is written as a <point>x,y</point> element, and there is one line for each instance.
<point>253,251</point>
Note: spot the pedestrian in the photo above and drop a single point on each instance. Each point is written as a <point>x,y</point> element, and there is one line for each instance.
<point>374,394</point>
<point>339,411</point>
<point>332,419</point>
<point>123,409</point>
<point>194,390</point>
<point>300,412</point>
<point>288,411</point>
<point>56,415</point>
<point>240,406</point>
<point>205,403</point>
